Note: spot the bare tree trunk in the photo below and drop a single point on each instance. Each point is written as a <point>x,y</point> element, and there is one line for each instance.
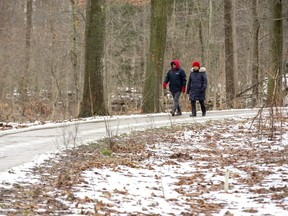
<point>75,57</point>
<point>94,100</point>
<point>201,36</point>
<point>255,53</point>
<point>276,57</point>
<point>25,73</point>
<point>154,68</point>
<point>175,53</point>
<point>209,34</point>
<point>230,60</point>
<point>4,17</point>
<point>202,43</point>
<point>55,73</point>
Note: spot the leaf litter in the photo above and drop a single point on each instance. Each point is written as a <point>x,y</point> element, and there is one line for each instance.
<point>226,167</point>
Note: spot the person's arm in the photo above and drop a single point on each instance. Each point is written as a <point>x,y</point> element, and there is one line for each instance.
<point>189,84</point>
<point>166,80</point>
<point>184,80</point>
<point>204,81</point>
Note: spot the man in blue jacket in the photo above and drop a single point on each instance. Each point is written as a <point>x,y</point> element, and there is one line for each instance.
<point>176,77</point>
<point>196,88</point>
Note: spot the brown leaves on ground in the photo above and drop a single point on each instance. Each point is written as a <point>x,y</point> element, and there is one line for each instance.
<point>206,147</point>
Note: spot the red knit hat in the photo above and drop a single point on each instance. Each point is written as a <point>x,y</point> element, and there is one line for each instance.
<point>196,64</point>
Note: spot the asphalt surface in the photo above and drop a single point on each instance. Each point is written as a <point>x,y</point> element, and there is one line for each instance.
<point>22,145</point>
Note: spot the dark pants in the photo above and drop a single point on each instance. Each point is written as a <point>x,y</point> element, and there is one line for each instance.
<point>202,104</point>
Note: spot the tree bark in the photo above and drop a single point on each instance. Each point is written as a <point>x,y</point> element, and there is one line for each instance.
<point>5,22</point>
<point>75,55</point>
<point>154,68</point>
<point>276,58</point>
<point>255,53</point>
<point>230,60</point>
<point>94,100</point>
<point>25,74</point>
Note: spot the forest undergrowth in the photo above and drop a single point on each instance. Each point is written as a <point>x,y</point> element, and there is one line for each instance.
<point>209,149</point>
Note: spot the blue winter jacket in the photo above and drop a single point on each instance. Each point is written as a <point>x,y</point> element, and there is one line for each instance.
<point>197,85</point>
<point>176,78</point>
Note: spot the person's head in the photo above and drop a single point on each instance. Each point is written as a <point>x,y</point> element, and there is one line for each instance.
<point>196,65</point>
<point>175,64</point>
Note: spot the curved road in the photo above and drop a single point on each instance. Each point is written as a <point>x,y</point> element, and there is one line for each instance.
<point>22,145</point>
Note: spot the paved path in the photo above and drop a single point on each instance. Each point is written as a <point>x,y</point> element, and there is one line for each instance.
<point>22,145</point>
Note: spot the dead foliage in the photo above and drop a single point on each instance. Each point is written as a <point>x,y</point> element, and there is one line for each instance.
<point>59,176</point>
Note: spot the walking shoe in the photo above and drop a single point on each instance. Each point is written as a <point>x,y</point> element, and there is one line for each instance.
<point>178,114</point>
<point>172,113</point>
<point>204,114</point>
<point>192,115</point>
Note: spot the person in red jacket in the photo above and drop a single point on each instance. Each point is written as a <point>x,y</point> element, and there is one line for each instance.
<point>176,77</point>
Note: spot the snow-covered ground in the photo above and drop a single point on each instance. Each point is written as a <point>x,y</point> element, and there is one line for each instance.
<point>232,166</point>
<point>189,176</point>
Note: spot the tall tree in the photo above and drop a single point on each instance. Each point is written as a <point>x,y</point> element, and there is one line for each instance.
<point>5,18</point>
<point>94,100</point>
<point>255,52</point>
<point>75,53</point>
<point>24,76</point>
<point>276,47</point>
<point>154,67</point>
<point>230,56</point>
